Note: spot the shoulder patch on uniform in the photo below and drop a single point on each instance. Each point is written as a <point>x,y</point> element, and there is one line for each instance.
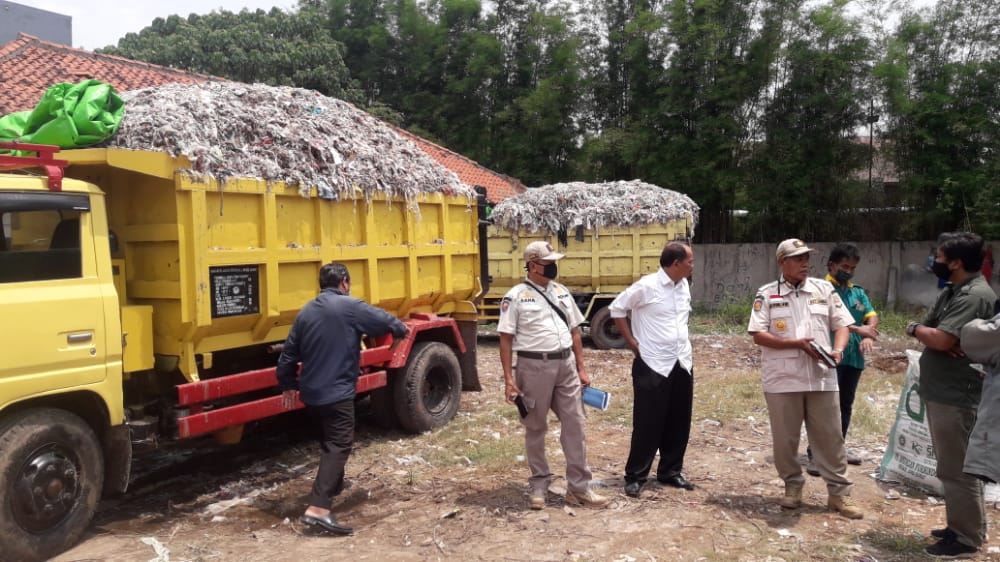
<point>504,305</point>
<point>758,302</point>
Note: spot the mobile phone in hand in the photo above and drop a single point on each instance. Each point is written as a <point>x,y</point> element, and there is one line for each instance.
<point>824,356</point>
<point>521,408</point>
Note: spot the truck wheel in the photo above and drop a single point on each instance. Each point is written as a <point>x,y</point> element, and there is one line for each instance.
<point>51,473</point>
<point>603,331</point>
<point>428,389</point>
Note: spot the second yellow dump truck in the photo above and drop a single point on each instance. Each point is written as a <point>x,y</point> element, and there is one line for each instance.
<point>140,302</point>
<point>612,234</point>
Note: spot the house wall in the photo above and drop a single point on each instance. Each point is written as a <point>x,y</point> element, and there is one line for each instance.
<point>49,26</point>
<point>892,272</point>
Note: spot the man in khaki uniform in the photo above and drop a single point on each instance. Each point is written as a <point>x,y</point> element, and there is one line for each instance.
<point>539,320</point>
<point>789,316</point>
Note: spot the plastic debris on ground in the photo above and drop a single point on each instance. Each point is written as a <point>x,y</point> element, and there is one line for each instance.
<point>162,553</point>
<point>322,145</point>
<point>566,206</point>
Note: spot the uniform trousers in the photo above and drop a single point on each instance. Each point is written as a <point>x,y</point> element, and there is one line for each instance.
<point>820,410</point>
<point>553,384</point>
<point>336,421</point>
<point>661,420</point>
<point>847,381</point>
<point>950,427</point>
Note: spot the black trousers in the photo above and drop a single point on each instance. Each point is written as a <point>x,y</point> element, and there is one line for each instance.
<point>847,380</point>
<point>661,421</point>
<point>337,422</point>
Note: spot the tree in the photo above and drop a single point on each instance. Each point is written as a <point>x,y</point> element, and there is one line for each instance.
<point>275,47</point>
<point>806,157</point>
<point>941,74</point>
<point>720,68</point>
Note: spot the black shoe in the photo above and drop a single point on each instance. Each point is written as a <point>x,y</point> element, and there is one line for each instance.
<point>327,523</point>
<point>677,481</point>
<point>951,548</point>
<point>632,489</point>
<point>943,533</point>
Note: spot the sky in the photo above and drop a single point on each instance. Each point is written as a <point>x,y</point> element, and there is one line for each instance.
<point>99,23</point>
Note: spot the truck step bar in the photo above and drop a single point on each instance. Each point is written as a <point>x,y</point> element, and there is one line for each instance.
<point>385,354</point>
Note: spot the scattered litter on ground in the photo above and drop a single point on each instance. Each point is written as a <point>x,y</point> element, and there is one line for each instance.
<point>320,144</point>
<point>162,554</point>
<point>562,207</point>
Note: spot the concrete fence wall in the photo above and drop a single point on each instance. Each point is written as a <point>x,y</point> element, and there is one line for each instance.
<point>892,272</point>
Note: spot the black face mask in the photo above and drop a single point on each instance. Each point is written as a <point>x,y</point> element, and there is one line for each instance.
<point>941,270</point>
<point>550,272</point>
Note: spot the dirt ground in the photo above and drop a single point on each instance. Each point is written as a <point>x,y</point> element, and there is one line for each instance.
<point>460,493</point>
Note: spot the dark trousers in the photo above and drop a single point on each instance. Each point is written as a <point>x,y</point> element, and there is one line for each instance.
<point>337,422</point>
<point>847,380</point>
<point>661,420</point>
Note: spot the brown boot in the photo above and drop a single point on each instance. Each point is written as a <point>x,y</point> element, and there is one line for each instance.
<point>845,507</point>
<point>792,498</point>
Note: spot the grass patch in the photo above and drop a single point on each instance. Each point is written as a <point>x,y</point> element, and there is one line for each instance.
<point>484,440</point>
<point>896,541</point>
<point>875,404</point>
<point>729,396</point>
<point>729,318</point>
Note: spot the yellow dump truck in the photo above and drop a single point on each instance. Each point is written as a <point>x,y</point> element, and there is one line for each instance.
<point>141,301</point>
<point>601,259</point>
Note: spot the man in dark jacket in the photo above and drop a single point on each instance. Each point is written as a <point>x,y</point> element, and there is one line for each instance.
<point>326,338</point>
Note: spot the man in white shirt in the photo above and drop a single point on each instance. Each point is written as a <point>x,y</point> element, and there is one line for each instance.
<point>662,371</point>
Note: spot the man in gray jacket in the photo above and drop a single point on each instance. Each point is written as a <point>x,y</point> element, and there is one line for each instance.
<point>981,343</point>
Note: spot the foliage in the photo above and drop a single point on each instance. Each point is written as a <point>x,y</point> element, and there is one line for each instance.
<point>742,105</point>
<point>275,48</point>
<point>940,75</point>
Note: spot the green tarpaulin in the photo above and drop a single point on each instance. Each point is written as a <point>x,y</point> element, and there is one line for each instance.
<point>68,116</point>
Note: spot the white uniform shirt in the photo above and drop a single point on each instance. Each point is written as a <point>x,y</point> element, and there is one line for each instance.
<point>660,310</point>
<point>814,310</point>
<point>535,325</point>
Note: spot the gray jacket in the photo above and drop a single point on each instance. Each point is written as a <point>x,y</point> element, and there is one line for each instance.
<point>981,343</point>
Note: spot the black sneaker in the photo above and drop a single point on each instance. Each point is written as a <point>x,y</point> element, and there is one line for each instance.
<point>951,548</point>
<point>943,533</point>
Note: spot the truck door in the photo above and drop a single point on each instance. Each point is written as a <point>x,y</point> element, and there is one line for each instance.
<point>53,329</point>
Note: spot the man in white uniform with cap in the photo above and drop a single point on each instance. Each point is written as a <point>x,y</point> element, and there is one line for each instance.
<point>790,316</point>
<point>540,322</point>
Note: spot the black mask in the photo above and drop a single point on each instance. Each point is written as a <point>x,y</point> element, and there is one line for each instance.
<point>940,269</point>
<point>550,272</point>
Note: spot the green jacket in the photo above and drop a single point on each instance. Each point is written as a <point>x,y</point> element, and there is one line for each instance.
<point>856,301</point>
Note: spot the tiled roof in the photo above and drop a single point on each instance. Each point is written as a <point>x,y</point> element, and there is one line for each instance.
<point>498,186</point>
<point>29,66</point>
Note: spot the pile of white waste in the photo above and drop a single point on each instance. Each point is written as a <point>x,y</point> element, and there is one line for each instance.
<point>322,145</point>
<point>562,207</point>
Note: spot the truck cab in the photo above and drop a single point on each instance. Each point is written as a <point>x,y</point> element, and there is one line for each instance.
<point>60,378</point>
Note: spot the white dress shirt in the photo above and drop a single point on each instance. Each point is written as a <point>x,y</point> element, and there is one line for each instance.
<point>660,309</point>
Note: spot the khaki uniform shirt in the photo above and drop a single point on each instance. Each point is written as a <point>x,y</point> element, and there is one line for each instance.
<point>813,310</point>
<point>535,325</point>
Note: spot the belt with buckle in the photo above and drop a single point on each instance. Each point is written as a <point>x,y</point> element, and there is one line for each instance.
<point>544,355</point>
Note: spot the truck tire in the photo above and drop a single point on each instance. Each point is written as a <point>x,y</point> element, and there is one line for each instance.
<point>51,474</point>
<point>429,388</point>
<point>603,331</point>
